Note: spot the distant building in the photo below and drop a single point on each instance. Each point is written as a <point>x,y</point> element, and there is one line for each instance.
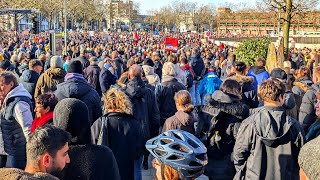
<point>263,23</point>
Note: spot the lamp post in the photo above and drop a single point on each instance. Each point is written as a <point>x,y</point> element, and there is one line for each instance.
<point>65,26</point>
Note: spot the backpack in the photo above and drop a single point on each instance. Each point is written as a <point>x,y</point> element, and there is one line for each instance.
<point>189,78</point>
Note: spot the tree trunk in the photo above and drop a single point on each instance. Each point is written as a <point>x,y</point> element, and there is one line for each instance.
<point>286,26</point>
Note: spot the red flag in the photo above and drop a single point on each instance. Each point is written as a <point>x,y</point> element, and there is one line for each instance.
<point>136,36</point>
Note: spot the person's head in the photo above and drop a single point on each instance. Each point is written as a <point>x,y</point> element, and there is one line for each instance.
<point>279,74</point>
<point>56,62</point>
<point>169,69</point>
<point>72,115</point>
<point>303,71</point>
<point>117,101</point>
<point>130,62</point>
<point>8,81</point>
<point>45,103</point>
<point>36,66</point>
<point>271,92</point>
<point>47,150</point>
<point>239,68</point>
<point>232,88</point>
<point>173,59</point>
<point>316,74</point>
<point>260,62</point>
<point>14,58</point>
<point>183,101</point>
<point>134,71</point>
<point>114,54</point>
<point>287,64</point>
<point>75,67</point>
<point>216,63</point>
<point>93,60</point>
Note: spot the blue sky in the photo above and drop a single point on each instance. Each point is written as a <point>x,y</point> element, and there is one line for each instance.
<point>146,5</point>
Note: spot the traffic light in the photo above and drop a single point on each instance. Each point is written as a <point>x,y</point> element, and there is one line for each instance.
<point>35,24</point>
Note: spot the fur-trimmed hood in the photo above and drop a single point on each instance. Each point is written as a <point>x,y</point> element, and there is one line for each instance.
<point>242,79</point>
<point>302,86</point>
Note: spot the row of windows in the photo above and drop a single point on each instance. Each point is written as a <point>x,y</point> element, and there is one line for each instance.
<point>248,24</point>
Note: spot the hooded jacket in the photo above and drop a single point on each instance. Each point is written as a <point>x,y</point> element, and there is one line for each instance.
<point>307,114</point>
<point>268,145</point>
<point>223,115</point>
<point>301,86</point>
<point>122,134</point>
<point>91,162</point>
<point>209,85</point>
<point>29,80</point>
<point>145,108</point>
<point>18,174</point>
<point>49,80</point>
<point>78,88</point>
<point>249,93</point>
<point>152,77</point>
<point>181,120</point>
<point>16,120</point>
<point>259,73</point>
<point>92,73</point>
<point>165,97</point>
<point>106,79</point>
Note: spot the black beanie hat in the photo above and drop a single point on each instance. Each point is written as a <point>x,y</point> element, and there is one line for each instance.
<point>279,74</point>
<point>148,62</point>
<point>75,67</point>
<point>72,115</point>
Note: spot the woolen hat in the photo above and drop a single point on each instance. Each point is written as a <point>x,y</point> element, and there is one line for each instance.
<point>148,62</point>
<point>75,66</point>
<point>72,115</point>
<point>279,74</point>
<point>56,62</point>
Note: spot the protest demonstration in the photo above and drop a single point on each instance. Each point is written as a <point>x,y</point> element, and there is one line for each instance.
<point>159,90</point>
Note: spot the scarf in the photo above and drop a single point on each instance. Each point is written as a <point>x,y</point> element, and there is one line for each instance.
<point>73,75</point>
<point>40,121</point>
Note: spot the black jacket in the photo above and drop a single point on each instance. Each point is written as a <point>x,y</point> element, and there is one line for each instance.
<point>307,114</point>
<point>145,108</point>
<point>106,79</point>
<point>268,145</point>
<point>80,89</point>
<point>223,116</point>
<point>165,94</point>
<point>119,66</point>
<point>122,134</point>
<point>84,61</point>
<point>197,65</point>
<point>92,73</point>
<point>29,80</point>
<point>158,68</point>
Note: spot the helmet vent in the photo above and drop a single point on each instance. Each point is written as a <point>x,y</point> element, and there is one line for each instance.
<point>193,144</point>
<point>179,147</point>
<point>165,141</point>
<point>178,136</point>
<point>201,157</point>
<point>193,163</point>
<point>175,157</point>
<point>160,152</point>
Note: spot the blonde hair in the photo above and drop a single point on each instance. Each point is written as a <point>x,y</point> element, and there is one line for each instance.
<point>168,69</point>
<point>117,101</point>
<point>183,98</point>
<point>287,64</point>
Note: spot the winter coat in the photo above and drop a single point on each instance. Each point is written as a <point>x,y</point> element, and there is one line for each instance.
<point>18,174</point>
<point>259,73</point>
<point>106,79</point>
<point>314,131</point>
<point>145,108</point>
<point>80,89</point>
<point>122,134</point>
<point>301,86</point>
<point>119,66</point>
<point>16,119</point>
<point>249,93</point>
<point>208,85</point>
<point>29,80</point>
<point>197,65</point>
<point>165,94</point>
<point>223,116</point>
<point>180,120</point>
<point>91,162</point>
<point>84,61</point>
<point>307,114</point>
<point>92,73</point>
<point>158,68</point>
<point>22,68</point>
<point>152,77</point>
<point>268,145</point>
<point>49,80</point>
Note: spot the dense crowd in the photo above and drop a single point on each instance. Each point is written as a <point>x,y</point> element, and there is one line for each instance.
<point>112,99</point>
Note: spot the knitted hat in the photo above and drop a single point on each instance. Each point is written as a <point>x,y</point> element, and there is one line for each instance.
<point>72,115</point>
<point>309,158</point>
<point>148,62</point>
<point>91,162</point>
<point>75,66</point>
<point>56,62</point>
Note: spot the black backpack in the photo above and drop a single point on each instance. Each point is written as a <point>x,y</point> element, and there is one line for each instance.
<point>189,78</point>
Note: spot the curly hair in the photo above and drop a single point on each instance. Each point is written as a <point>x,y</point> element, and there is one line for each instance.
<point>117,101</point>
<point>47,100</point>
<point>271,89</point>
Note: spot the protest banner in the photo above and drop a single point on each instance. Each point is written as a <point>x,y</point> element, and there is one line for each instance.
<point>172,44</point>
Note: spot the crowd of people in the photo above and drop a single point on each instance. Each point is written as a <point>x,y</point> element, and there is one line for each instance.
<point>111,100</point>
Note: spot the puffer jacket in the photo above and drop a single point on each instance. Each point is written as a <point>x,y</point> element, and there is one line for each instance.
<point>180,120</point>
<point>92,73</point>
<point>165,94</point>
<point>80,89</point>
<point>152,77</point>
<point>249,93</point>
<point>222,116</point>
<point>301,86</point>
<point>268,145</point>
<point>145,108</point>
<point>49,80</point>
<point>307,114</point>
<point>29,80</point>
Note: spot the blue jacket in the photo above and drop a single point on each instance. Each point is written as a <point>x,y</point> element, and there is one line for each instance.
<point>208,85</point>
<point>259,74</point>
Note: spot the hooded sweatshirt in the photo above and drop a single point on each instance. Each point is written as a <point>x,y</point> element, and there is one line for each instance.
<point>152,77</point>
<point>268,145</point>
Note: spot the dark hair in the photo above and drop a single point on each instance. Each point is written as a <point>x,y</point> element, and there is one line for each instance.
<point>46,138</point>
<point>47,100</point>
<point>239,66</point>
<point>260,62</point>
<point>33,63</point>
<point>9,77</point>
<point>271,90</point>
<point>231,87</point>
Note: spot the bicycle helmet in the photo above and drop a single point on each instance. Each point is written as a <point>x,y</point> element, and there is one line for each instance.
<point>181,151</point>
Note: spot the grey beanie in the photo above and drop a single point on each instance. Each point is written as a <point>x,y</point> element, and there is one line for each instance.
<point>72,115</point>
<point>56,62</point>
<point>309,158</point>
